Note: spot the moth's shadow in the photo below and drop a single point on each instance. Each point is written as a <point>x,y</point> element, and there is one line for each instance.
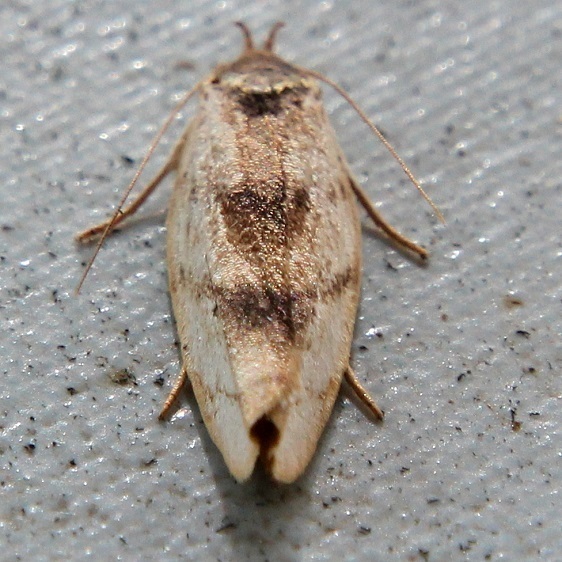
<point>262,519</point>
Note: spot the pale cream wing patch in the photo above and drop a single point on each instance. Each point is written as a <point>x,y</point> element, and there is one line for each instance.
<point>202,338</point>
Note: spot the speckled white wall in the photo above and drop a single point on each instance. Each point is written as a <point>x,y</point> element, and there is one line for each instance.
<point>464,354</point>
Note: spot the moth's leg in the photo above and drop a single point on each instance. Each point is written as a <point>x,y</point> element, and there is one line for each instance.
<point>171,164</point>
<point>390,231</point>
<point>363,396</point>
<point>174,393</point>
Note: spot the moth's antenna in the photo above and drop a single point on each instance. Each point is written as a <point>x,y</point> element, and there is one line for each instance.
<point>271,38</point>
<point>248,40</point>
<point>375,130</point>
<point>139,171</point>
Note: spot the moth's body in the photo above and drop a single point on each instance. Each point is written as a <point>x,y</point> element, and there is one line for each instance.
<point>264,260</point>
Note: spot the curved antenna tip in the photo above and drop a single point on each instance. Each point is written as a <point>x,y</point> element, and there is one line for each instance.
<point>248,40</point>
<point>270,41</point>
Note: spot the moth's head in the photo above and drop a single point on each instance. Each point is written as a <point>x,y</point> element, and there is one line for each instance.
<point>259,70</point>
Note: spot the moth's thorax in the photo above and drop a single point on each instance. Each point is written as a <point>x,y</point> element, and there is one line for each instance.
<point>261,72</point>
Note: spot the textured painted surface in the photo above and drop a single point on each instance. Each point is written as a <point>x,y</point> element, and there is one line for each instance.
<point>464,355</point>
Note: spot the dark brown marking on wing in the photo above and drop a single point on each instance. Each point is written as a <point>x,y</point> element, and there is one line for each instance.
<point>298,206</point>
<point>340,282</point>
<point>253,214</point>
<point>271,102</point>
<point>255,104</point>
<point>282,313</point>
<point>258,308</point>
<point>261,215</point>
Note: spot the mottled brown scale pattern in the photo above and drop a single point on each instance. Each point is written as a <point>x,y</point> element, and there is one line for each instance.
<point>284,314</point>
<point>271,103</point>
<point>258,104</point>
<point>259,216</point>
<point>265,309</point>
<point>264,213</point>
<point>255,214</point>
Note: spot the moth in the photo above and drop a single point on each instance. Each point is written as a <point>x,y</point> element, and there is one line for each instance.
<point>264,259</point>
